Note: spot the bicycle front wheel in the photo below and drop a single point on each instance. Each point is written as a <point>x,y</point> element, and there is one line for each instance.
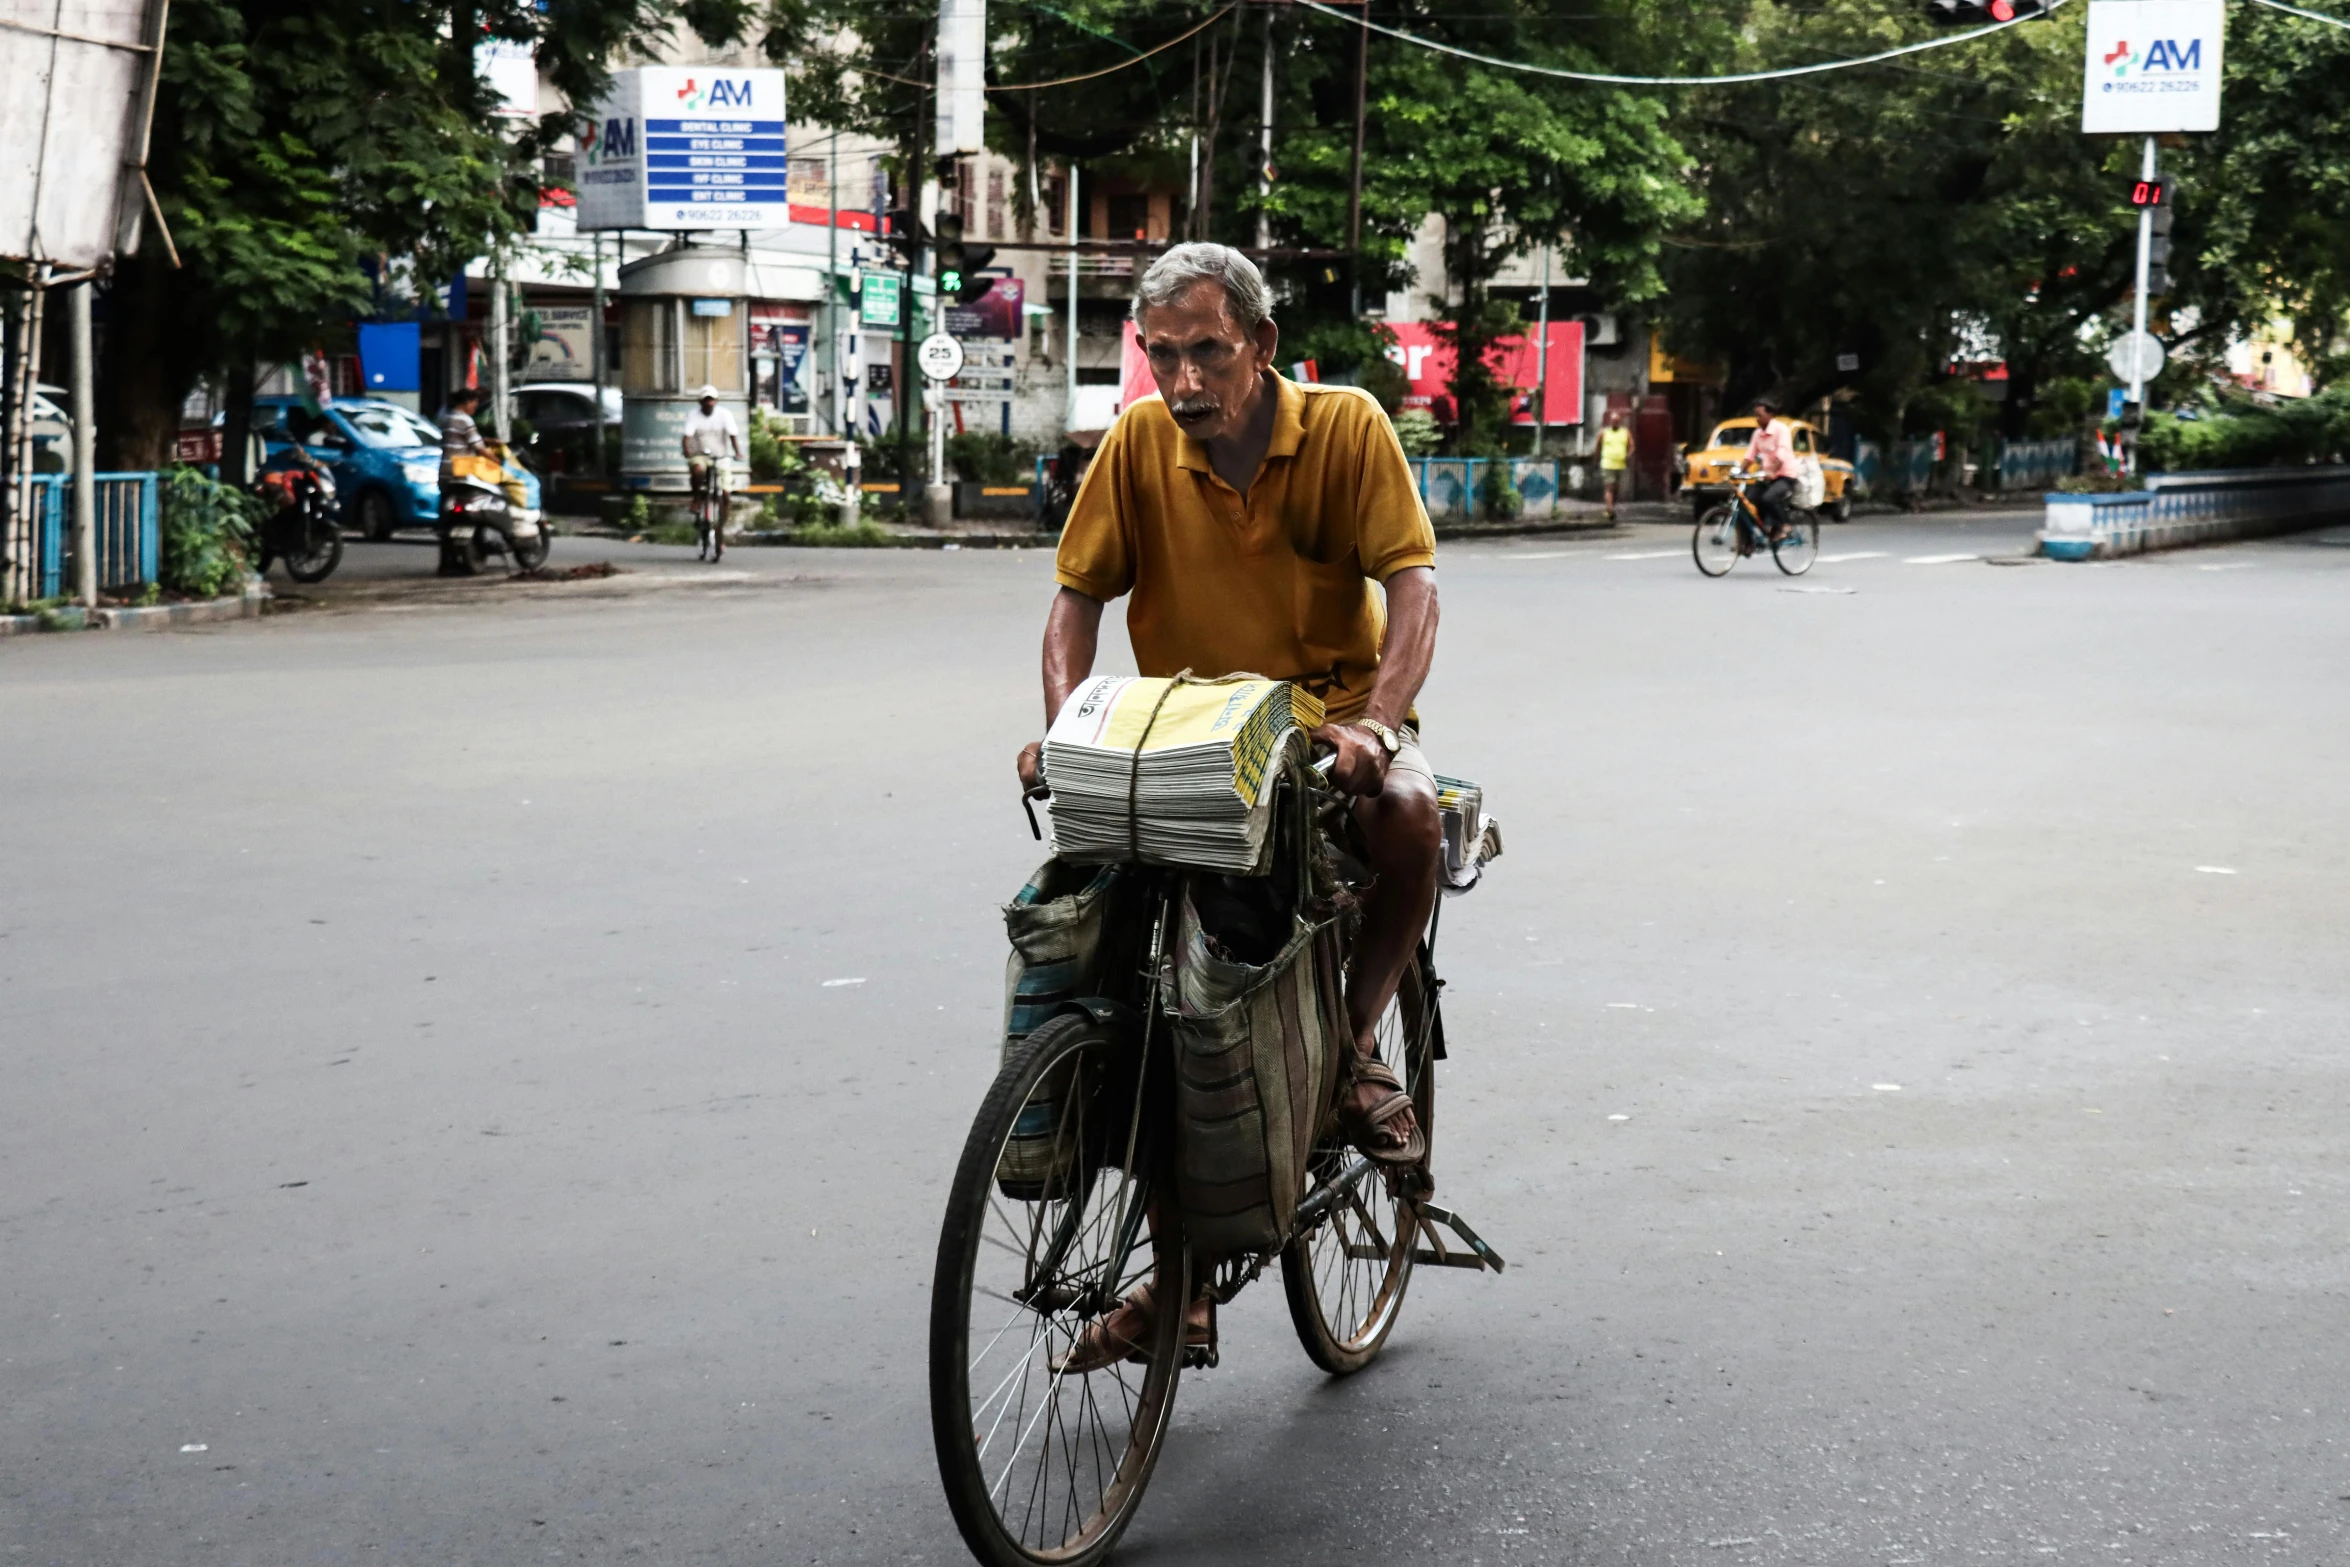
<point>1799,545</point>
<point>1345,1271</point>
<point>1052,1221</point>
<point>1714,544</point>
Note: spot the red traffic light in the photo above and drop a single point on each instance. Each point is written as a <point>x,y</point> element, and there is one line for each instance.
<point>2155,192</point>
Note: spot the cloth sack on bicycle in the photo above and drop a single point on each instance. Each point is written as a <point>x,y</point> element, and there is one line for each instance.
<point>1056,925</point>
<point>1811,483</point>
<point>1254,1079</point>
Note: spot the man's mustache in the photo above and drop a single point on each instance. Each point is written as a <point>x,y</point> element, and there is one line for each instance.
<point>1191,407</point>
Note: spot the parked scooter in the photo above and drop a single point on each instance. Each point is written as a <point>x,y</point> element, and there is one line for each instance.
<point>485,512</point>
<point>299,527</point>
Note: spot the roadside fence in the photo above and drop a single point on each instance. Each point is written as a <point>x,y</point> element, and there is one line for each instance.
<point>2036,465</point>
<point>130,532</point>
<point>1454,488</point>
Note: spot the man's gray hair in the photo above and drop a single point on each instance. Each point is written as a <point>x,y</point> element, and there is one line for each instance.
<point>1175,274</point>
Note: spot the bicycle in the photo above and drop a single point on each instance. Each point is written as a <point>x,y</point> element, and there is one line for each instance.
<point>709,509</point>
<point>1063,1204</point>
<point>1735,528</point>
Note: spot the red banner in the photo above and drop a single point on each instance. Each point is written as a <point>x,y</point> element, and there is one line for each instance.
<point>1427,363</point>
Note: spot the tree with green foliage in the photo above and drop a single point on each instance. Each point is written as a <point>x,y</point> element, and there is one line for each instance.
<point>313,157</point>
<point>1508,161</point>
<point>1915,212</point>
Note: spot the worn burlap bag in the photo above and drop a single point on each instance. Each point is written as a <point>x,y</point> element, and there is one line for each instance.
<point>1254,1077</point>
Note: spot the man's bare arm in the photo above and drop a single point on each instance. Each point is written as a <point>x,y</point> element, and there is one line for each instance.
<point>1409,646</point>
<point>1405,654</point>
<point>1072,635</point>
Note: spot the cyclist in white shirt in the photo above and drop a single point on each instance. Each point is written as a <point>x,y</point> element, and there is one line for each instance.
<point>710,439</point>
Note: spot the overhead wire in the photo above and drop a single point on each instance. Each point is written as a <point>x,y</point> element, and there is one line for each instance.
<point>1610,78</point>
<point>2314,16</point>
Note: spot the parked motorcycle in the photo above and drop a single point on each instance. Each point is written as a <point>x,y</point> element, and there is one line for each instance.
<point>299,526</point>
<point>485,511</point>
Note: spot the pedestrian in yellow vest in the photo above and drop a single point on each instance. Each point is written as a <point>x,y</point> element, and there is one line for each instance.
<point>1615,454</point>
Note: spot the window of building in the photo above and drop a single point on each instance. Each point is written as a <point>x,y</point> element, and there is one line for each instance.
<point>997,228</point>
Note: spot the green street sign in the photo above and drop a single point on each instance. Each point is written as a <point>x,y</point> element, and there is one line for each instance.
<point>879,294</point>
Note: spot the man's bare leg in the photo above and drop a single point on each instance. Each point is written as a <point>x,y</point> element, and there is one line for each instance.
<point>1405,838</point>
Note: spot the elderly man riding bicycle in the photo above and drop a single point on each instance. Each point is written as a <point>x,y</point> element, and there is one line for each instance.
<point>1255,521</point>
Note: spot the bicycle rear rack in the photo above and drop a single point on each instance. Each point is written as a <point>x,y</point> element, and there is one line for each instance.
<point>1437,1254</point>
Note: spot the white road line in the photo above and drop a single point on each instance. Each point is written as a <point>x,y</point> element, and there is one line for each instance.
<point>1647,555</point>
<point>1547,555</point>
<point>1830,560</point>
<point>1938,560</point>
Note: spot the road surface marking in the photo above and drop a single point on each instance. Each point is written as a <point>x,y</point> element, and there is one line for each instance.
<point>1647,555</point>
<point>1549,555</point>
<point>1830,560</point>
<point>2217,870</point>
<point>1938,560</point>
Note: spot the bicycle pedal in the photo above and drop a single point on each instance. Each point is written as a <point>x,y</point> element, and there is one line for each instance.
<point>1200,1357</point>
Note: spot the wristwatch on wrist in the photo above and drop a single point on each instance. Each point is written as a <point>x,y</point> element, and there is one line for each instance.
<point>1389,741</point>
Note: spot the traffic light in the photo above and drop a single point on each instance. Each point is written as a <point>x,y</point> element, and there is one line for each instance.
<point>955,264</point>
<point>1974,13</point>
<point>2159,197</point>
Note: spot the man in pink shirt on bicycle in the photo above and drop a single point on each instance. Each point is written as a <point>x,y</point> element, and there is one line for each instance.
<point>1772,454</point>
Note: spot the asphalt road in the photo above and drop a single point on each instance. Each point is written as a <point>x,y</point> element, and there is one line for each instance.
<point>481,1069</point>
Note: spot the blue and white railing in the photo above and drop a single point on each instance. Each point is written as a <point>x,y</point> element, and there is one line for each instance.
<point>1453,488</point>
<point>2176,509</point>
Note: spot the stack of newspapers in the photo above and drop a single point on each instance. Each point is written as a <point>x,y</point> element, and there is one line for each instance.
<point>1198,760</point>
<point>1470,836</point>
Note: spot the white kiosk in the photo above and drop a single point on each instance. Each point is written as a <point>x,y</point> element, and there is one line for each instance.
<point>684,325</point>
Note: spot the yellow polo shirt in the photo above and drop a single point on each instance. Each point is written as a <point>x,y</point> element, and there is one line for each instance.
<point>1277,582</point>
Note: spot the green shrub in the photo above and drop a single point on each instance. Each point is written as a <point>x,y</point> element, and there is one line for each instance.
<point>831,535</point>
<point>639,515</point>
<point>773,459</point>
<point>992,459</point>
<point>1501,497</point>
<point>1417,429</point>
<point>2239,433</point>
<point>207,534</point>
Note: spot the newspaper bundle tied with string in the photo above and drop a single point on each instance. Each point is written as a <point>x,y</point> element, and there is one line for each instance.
<point>1175,771</point>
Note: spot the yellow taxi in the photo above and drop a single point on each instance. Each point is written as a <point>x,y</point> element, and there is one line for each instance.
<point>1708,479</point>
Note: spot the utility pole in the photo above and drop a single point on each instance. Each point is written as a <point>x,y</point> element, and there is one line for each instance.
<point>832,274</point>
<point>1071,355</point>
<point>85,434</point>
<point>2134,411</point>
<point>1265,143</point>
<point>1354,190</point>
<point>1542,352</point>
<point>498,347</point>
<point>596,353</point>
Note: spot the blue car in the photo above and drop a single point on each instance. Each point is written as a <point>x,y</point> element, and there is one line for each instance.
<point>385,459</point>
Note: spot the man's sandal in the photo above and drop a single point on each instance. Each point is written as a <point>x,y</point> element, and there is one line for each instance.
<point>1125,1333</point>
<point>1362,1127</point>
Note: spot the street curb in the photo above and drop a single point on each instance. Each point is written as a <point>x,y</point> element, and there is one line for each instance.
<point>143,617</point>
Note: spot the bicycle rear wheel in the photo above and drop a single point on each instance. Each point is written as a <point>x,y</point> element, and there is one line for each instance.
<point>1714,544</point>
<point>1345,1271</point>
<point>1051,1222</point>
<point>1796,548</point>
